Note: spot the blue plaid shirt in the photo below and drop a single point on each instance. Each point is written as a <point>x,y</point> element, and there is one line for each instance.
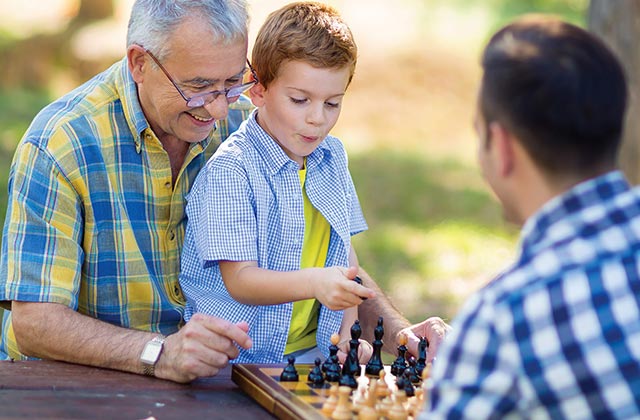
<point>558,334</point>
<point>247,205</point>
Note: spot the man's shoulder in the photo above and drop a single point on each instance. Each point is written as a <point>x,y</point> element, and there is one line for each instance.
<point>76,111</point>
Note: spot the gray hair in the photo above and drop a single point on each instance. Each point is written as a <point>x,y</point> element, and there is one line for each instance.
<point>153,22</point>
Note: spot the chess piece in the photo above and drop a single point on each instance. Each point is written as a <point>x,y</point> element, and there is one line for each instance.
<point>398,410</point>
<point>316,377</point>
<point>350,368</point>
<point>382,390</point>
<point>354,343</point>
<point>359,281</point>
<point>421,363</point>
<point>289,373</point>
<point>400,364</point>
<point>375,364</point>
<point>343,407</point>
<point>414,378</point>
<point>330,403</point>
<point>333,351</point>
<point>407,384</point>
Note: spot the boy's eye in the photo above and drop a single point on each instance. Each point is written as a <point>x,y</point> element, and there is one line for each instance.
<point>298,101</point>
<point>333,104</point>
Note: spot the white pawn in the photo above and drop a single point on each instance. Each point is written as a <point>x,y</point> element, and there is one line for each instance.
<point>343,408</point>
<point>330,404</point>
<point>398,411</point>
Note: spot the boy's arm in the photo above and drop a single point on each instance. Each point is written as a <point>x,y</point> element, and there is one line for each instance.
<point>333,286</point>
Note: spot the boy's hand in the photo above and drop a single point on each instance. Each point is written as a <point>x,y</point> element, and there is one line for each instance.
<point>336,289</point>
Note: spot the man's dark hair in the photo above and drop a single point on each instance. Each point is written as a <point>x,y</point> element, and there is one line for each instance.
<point>560,90</point>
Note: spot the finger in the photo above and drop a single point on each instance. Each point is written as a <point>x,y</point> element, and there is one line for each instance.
<point>362,292</point>
<point>236,333</point>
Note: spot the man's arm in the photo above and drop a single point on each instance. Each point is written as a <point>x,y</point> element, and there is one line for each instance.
<point>433,328</point>
<point>54,331</point>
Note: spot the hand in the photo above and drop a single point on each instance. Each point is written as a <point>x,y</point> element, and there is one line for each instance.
<point>434,329</point>
<point>365,351</point>
<point>336,289</point>
<point>201,348</point>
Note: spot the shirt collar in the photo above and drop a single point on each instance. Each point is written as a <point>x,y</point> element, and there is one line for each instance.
<point>564,216</point>
<point>273,153</point>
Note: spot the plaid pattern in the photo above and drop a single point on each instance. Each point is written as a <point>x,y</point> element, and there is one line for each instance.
<point>558,334</point>
<point>93,221</point>
<point>247,205</point>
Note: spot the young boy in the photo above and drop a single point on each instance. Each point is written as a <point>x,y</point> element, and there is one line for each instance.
<point>271,215</point>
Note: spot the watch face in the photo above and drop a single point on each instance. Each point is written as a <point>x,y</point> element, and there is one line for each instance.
<point>151,352</point>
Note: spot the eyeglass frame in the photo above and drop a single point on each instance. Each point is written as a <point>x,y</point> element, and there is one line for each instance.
<point>231,94</point>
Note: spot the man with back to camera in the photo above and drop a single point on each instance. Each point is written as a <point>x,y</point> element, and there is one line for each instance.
<point>557,334</point>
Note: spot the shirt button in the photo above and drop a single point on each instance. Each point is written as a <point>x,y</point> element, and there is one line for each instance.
<point>167,185</point>
<point>176,289</point>
<point>172,235</point>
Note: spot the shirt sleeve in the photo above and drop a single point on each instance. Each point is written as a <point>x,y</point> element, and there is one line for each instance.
<point>475,374</point>
<point>221,211</point>
<point>41,252</point>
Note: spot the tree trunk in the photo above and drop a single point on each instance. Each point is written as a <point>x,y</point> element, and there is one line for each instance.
<point>618,23</point>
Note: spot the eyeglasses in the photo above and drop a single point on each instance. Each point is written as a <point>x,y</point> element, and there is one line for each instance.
<point>201,99</point>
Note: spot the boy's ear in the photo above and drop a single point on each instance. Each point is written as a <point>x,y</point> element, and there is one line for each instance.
<point>502,142</point>
<point>257,94</point>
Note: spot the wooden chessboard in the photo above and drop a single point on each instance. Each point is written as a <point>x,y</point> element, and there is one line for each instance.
<point>286,400</point>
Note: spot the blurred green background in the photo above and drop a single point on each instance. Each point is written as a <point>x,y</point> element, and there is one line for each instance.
<point>436,232</point>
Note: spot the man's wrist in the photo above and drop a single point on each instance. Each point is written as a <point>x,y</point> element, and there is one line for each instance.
<point>151,354</point>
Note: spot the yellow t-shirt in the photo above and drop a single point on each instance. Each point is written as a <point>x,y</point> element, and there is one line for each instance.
<point>304,320</point>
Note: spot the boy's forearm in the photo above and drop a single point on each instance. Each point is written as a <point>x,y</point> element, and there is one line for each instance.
<point>381,306</point>
<point>252,285</point>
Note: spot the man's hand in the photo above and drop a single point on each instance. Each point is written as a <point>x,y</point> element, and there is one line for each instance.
<point>434,329</point>
<point>201,348</point>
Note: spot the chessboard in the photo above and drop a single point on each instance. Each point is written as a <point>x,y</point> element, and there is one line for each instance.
<point>300,400</point>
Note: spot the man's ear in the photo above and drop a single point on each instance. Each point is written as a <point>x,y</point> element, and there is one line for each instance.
<point>502,142</point>
<point>137,61</point>
<point>257,94</point>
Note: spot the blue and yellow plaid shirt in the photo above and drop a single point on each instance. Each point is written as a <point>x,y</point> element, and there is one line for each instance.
<point>93,220</point>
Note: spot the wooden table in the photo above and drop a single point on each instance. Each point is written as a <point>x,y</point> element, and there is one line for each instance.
<point>54,390</point>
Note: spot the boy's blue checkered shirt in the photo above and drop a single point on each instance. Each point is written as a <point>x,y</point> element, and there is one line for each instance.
<point>558,334</point>
<point>247,205</point>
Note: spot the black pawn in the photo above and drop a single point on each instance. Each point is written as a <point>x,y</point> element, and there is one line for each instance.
<point>413,371</point>
<point>333,357</point>
<point>289,373</point>
<point>421,363</point>
<point>316,377</point>
<point>375,364</point>
<point>408,385</point>
<point>400,364</point>
<point>333,370</point>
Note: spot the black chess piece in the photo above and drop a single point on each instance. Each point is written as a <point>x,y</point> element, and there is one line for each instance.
<point>333,351</point>
<point>289,373</point>
<point>421,363</point>
<point>359,281</point>
<point>400,364</point>
<point>413,371</point>
<point>407,383</point>
<point>375,364</point>
<point>354,343</point>
<point>350,368</point>
<point>316,377</point>
<point>333,370</point>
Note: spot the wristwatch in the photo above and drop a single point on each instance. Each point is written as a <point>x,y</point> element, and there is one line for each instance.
<point>151,354</point>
